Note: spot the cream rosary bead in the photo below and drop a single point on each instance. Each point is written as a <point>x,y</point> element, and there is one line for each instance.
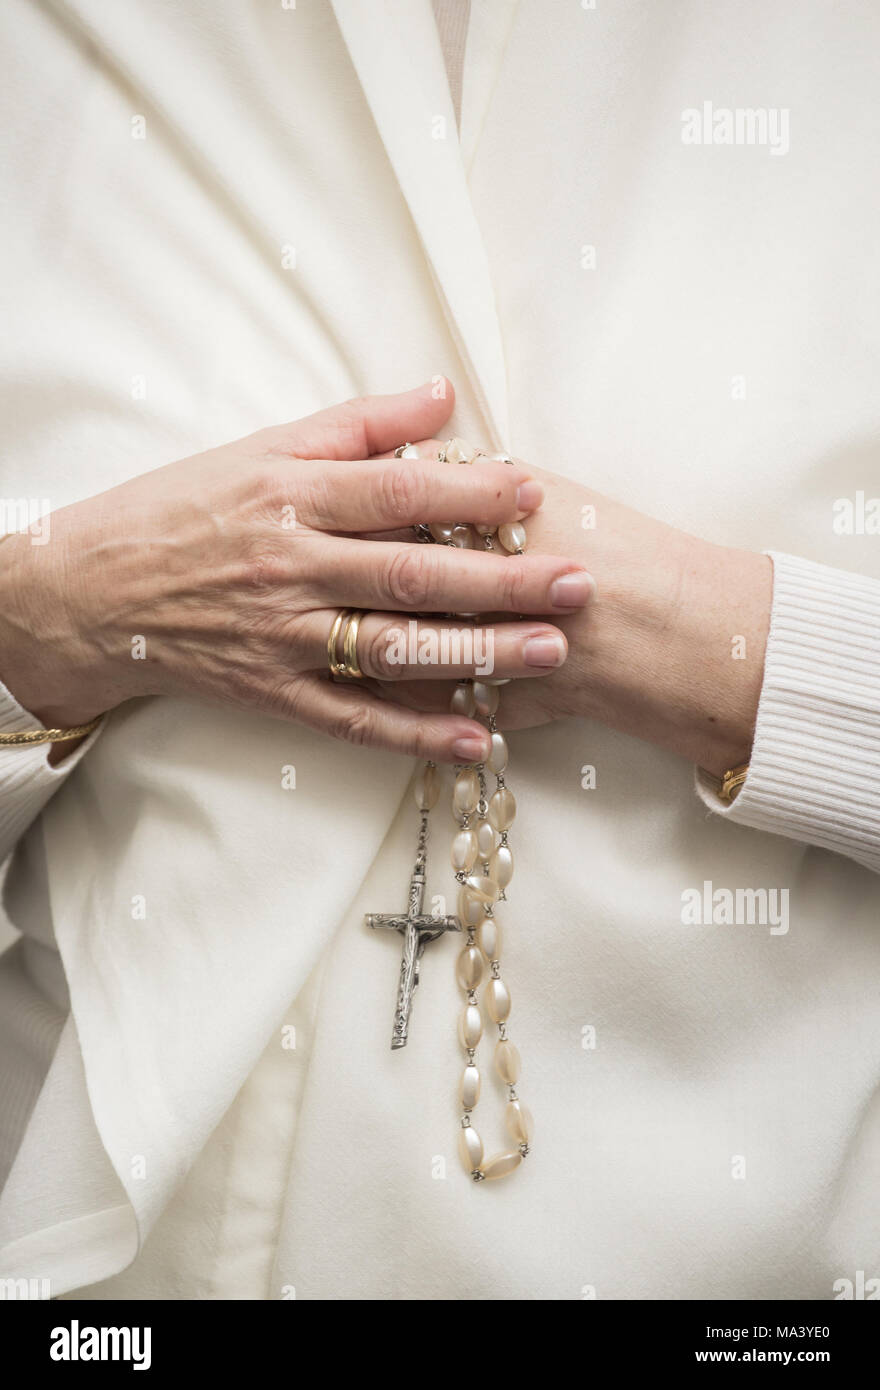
<point>459,451</point>
<point>501,866</point>
<point>497,760</point>
<point>470,909</point>
<point>512,536</point>
<point>470,968</point>
<point>502,808</point>
<point>466,792</point>
<point>462,701</point>
<point>498,1001</point>
<point>485,698</point>
<point>463,537</point>
<point>470,1147</point>
<point>469,1090</point>
<point>471,1027</point>
<point>485,840</point>
<point>464,851</point>
<point>520,1124</point>
<point>482,887</point>
<point>501,1165</point>
<point>489,936</point>
<point>428,788</point>
<point>507,1061</point>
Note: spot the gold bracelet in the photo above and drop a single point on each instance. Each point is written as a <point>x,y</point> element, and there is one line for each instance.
<point>732,781</point>
<point>35,736</point>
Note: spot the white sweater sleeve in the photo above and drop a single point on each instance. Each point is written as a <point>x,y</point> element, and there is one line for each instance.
<point>27,779</point>
<point>814,772</point>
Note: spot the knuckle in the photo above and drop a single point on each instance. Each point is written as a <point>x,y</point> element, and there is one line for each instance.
<point>265,567</point>
<point>283,699</point>
<point>378,654</point>
<point>268,485</point>
<point>351,427</point>
<point>408,578</point>
<point>420,743</point>
<point>355,724</point>
<point>512,584</point>
<point>400,492</point>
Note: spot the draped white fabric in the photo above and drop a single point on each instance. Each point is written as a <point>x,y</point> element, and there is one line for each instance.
<point>722,1136</point>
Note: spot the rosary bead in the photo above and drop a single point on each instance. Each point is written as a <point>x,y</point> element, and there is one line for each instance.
<point>520,1124</point>
<point>459,451</point>
<point>485,840</point>
<point>512,536</point>
<point>469,1090</point>
<point>501,1165</point>
<point>428,788</point>
<point>466,793</point>
<point>502,808</point>
<point>507,1061</point>
<point>471,1026</point>
<point>489,934</point>
<point>484,889</point>
<point>462,701</point>
<point>497,760</point>
<point>442,531</point>
<point>470,909</point>
<point>497,1000</point>
<point>486,698</point>
<point>484,529</point>
<point>501,866</point>
<point>470,1147</point>
<point>470,968</point>
<point>463,537</point>
<point>464,851</point>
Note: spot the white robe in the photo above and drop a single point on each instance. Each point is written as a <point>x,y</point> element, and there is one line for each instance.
<point>300,224</point>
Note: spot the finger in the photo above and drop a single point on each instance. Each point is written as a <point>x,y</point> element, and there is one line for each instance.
<point>440,579</point>
<point>381,494</point>
<point>354,714</point>
<point>393,647</point>
<point>368,424</point>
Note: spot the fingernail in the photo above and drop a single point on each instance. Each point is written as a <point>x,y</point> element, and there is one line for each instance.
<point>529,496</point>
<point>544,651</point>
<point>470,749</point>
<point>572,590</point>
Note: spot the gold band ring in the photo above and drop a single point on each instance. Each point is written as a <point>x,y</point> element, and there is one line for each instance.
<point>349,645</point>
<point>345,631</point>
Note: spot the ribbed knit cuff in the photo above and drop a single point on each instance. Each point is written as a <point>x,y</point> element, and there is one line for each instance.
<point>814,772</point>
<point>27,778</point>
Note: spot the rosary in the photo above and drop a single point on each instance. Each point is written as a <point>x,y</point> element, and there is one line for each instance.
<point>482,862</point>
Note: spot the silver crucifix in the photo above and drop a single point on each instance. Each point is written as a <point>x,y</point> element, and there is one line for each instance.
<point>418,929</point>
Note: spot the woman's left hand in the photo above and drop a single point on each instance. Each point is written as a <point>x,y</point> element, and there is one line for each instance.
<point>671,649</point>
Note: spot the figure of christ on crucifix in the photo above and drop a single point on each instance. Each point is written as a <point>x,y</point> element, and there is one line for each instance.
<point>418,929</point>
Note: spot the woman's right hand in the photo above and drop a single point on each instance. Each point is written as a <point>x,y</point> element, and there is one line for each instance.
<point>218,577</point>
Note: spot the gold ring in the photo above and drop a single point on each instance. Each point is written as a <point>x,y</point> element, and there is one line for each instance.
<point>345,631</point>
<point>335,666</point>
<point>349,645</point>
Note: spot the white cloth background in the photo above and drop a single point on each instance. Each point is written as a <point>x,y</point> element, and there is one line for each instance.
<point>171,1120</point>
